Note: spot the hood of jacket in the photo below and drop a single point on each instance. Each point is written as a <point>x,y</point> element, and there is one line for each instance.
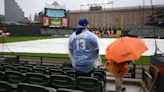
<point>79,29</point>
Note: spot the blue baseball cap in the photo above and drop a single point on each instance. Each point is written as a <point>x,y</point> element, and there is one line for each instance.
<point>83,22</point>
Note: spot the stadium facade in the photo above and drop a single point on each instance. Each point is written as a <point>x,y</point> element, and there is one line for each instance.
<point>114,18</point>
<point>13,12</point>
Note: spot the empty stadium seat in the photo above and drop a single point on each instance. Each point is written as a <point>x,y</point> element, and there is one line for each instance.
<point>100,77</point>
<point>70,73</point>
<point>67,90</point>
<point>62,81</point>
<point>56,72</point>
<point>9,68</point>
<point>102,72</point>
<point>88,84</point>
<point>37,78</point>
<point>6,87</point>
<point>2,75</point>
<point>16,65</point>
<point>15,77</point>
<point>23,69</point>
<point>43,67</point>
<point>25,87</point>
<point>67,68</point>
<point>40,70</point>
<point>1,68</point>
<point>29,66</point>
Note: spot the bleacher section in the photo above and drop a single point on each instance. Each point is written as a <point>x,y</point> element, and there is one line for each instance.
<point>44,78</point>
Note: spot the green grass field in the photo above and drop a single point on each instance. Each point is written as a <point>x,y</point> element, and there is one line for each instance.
<point>26,38</point>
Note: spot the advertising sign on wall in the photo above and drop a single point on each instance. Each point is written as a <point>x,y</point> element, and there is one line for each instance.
<point>64,22</point>
<point>46,21</point>
<point>55,22</point>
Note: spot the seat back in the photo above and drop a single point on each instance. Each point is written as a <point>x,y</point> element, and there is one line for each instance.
<point>70,73</point>
<point>62,81</point>
<point>25,87</point>
<point>56,72</point>
<point>1,68</point>
<point>29,66</point>
<point>67,90</point>
<point>101,71</point>
<point>15,76</point>
<point>24,69</point>
<point>88,84</point>
<point>99,76</point>
<point>40,70</point>
<point>2,75</point>
<point>67,68</point>
<point>37,78</point>
<point>41,66</point>
<point>6,87</point>
<point>9,68</point>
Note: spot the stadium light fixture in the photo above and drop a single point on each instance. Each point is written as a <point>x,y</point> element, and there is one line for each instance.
<point>109,2</point>
<point>98,2</point>
<point>84,4</point>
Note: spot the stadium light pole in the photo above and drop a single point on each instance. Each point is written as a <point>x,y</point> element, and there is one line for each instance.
<point>98,3</point>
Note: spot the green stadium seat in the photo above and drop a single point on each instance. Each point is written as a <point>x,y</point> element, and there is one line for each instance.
<point>16,65</point>
<point>25,87</point>
<point>2,75</point>
<point>43,67</point>
<point>29,66</point>
<point>88,84</point>
<point>40,70</point>
<point>9,68</point>
<point>62,81</point>
<point>100,77</point>
<point>68,90</point>
<point>23,69</point>
<point>1,68</point>
<point>15,77</point>
<point>56,72</point>
<point>102,72</point>
<point>37,78</point>
<point>70,73</point>
<point>67,68</point>
<point>6,87</point>
<point>54,67</point>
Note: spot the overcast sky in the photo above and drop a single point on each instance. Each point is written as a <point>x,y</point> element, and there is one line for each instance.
<point>35,6</point>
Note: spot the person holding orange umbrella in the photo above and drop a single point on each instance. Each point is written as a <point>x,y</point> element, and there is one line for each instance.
<point>120,53</point>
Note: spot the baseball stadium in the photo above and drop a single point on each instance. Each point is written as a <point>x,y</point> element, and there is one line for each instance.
<point>35,54</point>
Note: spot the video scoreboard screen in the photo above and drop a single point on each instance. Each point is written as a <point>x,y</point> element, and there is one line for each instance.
<point>55,18</point>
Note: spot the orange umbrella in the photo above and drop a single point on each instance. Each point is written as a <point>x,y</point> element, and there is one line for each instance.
<point>125,48</point>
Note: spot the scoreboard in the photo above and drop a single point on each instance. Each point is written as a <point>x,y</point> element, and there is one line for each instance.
<point>55,18</point>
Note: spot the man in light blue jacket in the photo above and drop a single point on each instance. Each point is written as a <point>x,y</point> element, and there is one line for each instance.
<point>84,49</point>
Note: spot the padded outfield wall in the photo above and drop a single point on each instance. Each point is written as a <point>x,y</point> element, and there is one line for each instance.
<point>23,30</point>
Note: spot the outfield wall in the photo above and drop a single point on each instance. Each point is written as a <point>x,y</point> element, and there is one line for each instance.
<point>36,30</point>
<point>23,30</point>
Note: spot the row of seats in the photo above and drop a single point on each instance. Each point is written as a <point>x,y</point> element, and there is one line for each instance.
<point>58,81</point>
<point>26,87</point>
<point>39,69</point>
<point>16,76</point>
<point>33,66</point>
<point>53,80</point>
